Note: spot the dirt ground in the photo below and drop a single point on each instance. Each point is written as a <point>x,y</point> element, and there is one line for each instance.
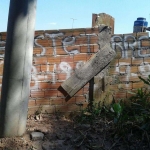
<point>61,133</point>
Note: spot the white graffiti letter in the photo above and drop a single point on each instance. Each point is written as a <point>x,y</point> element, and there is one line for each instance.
<point>69,41</point>
<point>53,37</point>
<point>88,40</point>
<point>65,67</point>
<point>36,44</point>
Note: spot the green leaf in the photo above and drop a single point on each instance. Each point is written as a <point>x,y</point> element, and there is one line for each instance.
<point>131,92</point>
<point>145,81</point>
<point>117,108</point>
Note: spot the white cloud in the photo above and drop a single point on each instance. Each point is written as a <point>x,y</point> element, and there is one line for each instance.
<point>53,23</point>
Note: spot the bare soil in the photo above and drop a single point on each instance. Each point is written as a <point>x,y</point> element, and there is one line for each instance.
<point>61,133</point>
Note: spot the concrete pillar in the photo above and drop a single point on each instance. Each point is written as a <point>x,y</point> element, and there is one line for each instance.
<point>17,67</point>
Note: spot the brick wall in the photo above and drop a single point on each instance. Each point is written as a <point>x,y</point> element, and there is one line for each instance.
<point>56,55</point>
<point>132,60</point>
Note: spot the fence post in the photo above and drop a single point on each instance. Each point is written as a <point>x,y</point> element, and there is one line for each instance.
<point>17,67</point>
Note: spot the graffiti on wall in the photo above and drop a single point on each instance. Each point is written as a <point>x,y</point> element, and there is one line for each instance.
<point>123,43</point>
<point>64,67</point>
<point>129,42</point>
<point>66,41</point>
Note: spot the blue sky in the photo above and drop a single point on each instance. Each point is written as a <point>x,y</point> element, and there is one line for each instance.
<point>57,14</point>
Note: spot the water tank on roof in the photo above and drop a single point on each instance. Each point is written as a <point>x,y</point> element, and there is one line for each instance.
<point>140,25</point>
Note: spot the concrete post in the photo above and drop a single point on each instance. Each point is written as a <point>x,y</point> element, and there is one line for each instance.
<point>17,67</point>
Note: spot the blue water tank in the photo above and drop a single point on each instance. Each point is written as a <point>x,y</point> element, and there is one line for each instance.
<point>140,24</point>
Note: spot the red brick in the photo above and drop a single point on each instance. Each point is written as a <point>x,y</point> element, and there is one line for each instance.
<point>137,61</point>
<point>47,68</point>
<point>44,68</point>
<point>89,56</point>
<point>32,110</point>
<point>47,85</point>
<point>34,85</point>
<point>54,60</point>
<point>61,108</point>
<point>2,53</point>
<point>55,85</point>
<point>81,100</point>
<point>73,107</point>
<point>133,69</point>
<point>93,39</point>
<point>1,70</point>
<point>40,60</point>
<point>31,103</point>
<point>70,101</point>
<point>4,35</point>
<point>125,61</point>
<point>60,94</point>
<point>129,93</point>
<point>51,93</point>
<point>114,62</point>
<point>51,77</point>
<point>78,65</point>
<point>72,48</point>
<point>146,60</point>
<point>83,107</point>
<point>51,31</point>
<point>138,85</point>
<point>124,78</point>
<point>120,95</point>
<point>139,34</point>
<point>143,52</point>
<point>44,85</point>
<point>56,101</point>
<point>39,32</point>
<point>36,69</point>
<point>37,77</point>
<point>80,92</point>
<point>42,102</point>
<point>87,49</point>
<point>60,51</point>
<point>96,48</point>
<point>113,71</point>
<point>37,93</point>
<point>113,87</point>
<point>48,109</point>
<point>67,32</point>
<point>49,51</point>
<point>58,41</point>
<point>77,32</point>
<point>87,85</point>
<point>125,86</point>
<point>37,50</point>
<point>134,78</point>
<point>65,66</point>
<point>92,30</point>
<point>1,77</point>
<point>62,76</point>
<point>81,40</point>
<point>67,108</point>
<point>85,90</point>
<point>43,43</point>
<point>66,59</point>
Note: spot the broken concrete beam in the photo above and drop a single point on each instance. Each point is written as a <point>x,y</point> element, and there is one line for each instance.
<point>83,75</point>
